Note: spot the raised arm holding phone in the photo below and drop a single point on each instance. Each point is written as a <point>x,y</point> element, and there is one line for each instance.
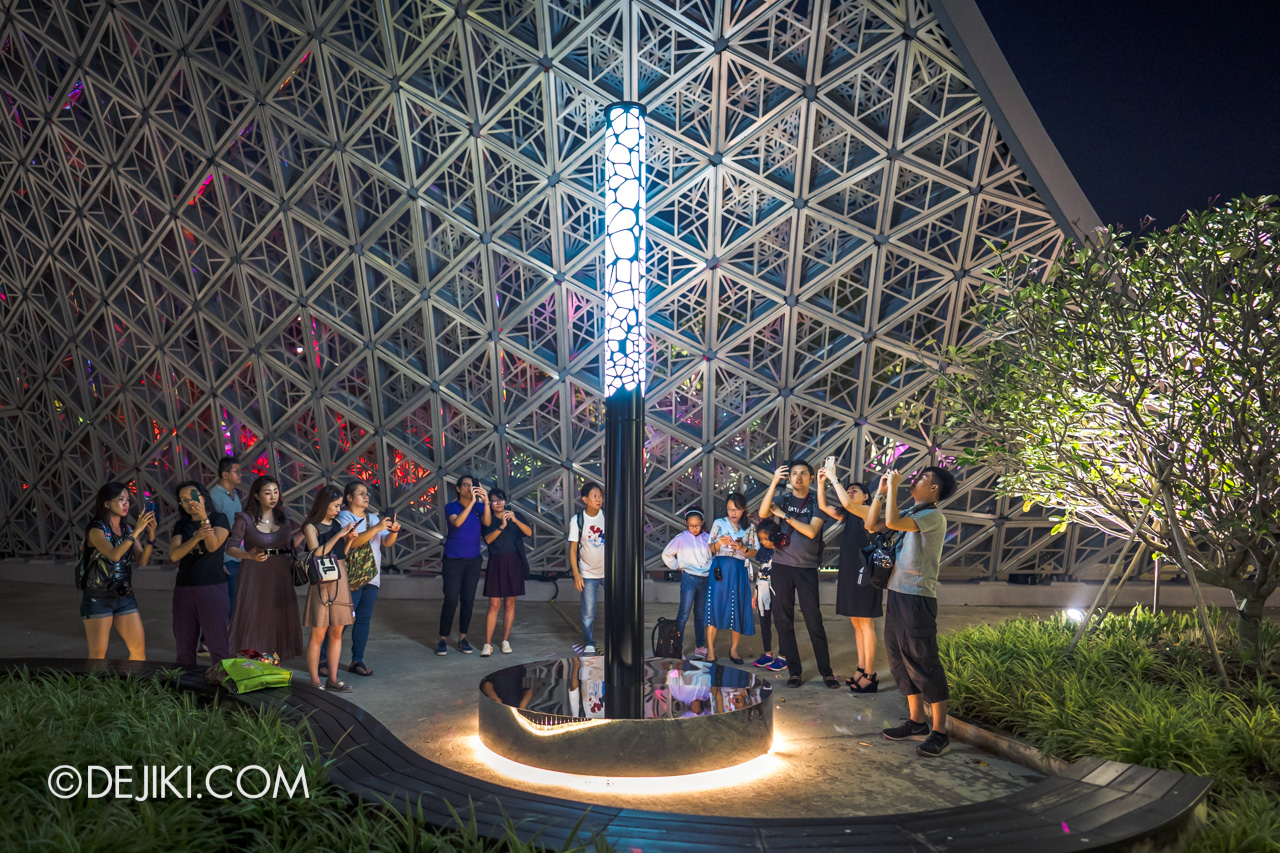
<point>911,604</point>
<point>462,563</point>
<point>364,564</point>
<point>796,557</point>
<point>105,572</point>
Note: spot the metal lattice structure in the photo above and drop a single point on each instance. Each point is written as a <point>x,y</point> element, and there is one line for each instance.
<point>363,239</point>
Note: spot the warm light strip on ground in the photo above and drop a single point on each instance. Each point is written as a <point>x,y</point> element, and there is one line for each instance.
<point>740,774</point>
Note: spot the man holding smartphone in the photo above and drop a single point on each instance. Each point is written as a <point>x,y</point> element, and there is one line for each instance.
<point>226,500</point>
<point>911,605</point>
<point>796,555</point>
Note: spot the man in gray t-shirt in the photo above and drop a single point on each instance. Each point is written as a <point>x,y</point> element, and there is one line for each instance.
<point>911,606</point>
<point>226,500</point>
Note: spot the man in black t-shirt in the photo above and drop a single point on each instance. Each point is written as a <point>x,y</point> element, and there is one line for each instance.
<point>796,555</point>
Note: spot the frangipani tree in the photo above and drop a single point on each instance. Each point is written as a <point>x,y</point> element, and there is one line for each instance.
<point>1142,371</point>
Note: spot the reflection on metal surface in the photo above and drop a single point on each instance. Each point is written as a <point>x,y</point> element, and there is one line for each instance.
<point>697,717</point>
<point>558,692</point>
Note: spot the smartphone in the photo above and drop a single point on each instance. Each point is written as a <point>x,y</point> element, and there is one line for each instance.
<point>150,506</point>
<point>830,466</point>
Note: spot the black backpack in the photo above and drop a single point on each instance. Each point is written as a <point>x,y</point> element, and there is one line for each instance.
<point>666,639</point>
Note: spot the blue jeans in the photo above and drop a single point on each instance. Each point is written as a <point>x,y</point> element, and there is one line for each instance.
<point>362,600</point>
<point>693,596</point>
<point>590,591</point>
<point>233,574</point>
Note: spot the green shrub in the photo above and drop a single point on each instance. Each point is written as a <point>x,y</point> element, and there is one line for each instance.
<point>50,721</point>
<point>1141,689</point>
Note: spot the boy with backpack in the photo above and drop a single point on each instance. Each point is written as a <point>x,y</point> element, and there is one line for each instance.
<point>586,557</point>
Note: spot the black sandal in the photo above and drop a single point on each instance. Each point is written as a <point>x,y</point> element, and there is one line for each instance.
<point>794,681</point>
<point>872,685</point>
<point>852,682</point>
<point>359,668</point>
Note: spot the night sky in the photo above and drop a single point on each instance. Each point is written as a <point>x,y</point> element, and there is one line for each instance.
<point>1157,107</point>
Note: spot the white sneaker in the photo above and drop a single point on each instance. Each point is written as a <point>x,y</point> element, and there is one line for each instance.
<point>486,650</point>
<point>506,647</point>
<point>589,649</point>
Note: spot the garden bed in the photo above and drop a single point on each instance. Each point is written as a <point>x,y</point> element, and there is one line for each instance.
<point>1142,690</point>
<point>49,721</point>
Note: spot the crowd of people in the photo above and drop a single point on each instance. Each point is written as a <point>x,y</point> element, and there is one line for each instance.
<point>235,591</point>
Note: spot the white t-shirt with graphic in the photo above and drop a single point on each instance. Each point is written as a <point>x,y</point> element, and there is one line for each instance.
<point>590,543</point>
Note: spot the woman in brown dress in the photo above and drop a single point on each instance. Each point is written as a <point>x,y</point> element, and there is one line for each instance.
<point>266,612</point>
<point>328,609</point>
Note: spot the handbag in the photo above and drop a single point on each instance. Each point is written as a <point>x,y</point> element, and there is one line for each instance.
<point>300,566</point>
<point>96,579</point>
<point>322,569</point>
<point>881,555</point>
<point>361,565</point>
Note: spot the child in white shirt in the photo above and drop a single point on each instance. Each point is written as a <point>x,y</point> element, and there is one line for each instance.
<point>690,552</point>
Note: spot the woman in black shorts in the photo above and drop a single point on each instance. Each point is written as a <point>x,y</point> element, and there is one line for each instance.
<point>105,572</point>
<point>855,596</point>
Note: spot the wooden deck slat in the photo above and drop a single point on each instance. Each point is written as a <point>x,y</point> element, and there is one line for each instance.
<point>1110,804</point>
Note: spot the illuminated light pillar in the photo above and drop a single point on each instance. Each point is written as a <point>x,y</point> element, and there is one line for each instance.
<point>624,386</point>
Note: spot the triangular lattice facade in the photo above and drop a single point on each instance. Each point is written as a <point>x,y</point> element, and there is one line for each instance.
<point>362,239</point>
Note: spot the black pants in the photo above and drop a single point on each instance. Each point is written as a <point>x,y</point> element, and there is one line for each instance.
<point>911,642</point>
<point>790,582</point>
<point>461,577</point>
<point>766,629</point>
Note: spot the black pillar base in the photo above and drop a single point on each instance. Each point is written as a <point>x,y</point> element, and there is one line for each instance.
<point>624,554</point>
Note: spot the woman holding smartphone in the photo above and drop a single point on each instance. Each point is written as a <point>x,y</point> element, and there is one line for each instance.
<point>200,603</point>
<point>855,596</point>
<point>467,517</point>
<point>105,573</point>
<point>328,607</point>
<point>373,533</point>
<point>266,612</point>
<point>504,579</point>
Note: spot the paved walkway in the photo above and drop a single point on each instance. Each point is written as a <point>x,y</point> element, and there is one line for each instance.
<point>829,760</point>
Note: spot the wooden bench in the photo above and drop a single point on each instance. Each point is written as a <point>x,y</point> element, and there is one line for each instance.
<point>1093,805</point>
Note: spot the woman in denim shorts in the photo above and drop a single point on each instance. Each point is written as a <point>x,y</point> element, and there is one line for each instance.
<point>106,572</point>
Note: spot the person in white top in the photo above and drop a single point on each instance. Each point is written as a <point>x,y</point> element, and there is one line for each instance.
<point>586,557</point>
<point>377,533</point>
<point>690,552</point>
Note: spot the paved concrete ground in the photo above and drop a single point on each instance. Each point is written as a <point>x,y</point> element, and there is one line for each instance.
<point>830,759</point>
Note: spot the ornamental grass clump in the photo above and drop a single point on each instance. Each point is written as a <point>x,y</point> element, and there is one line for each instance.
<point>1141,689</point>
<point>47,721</point>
